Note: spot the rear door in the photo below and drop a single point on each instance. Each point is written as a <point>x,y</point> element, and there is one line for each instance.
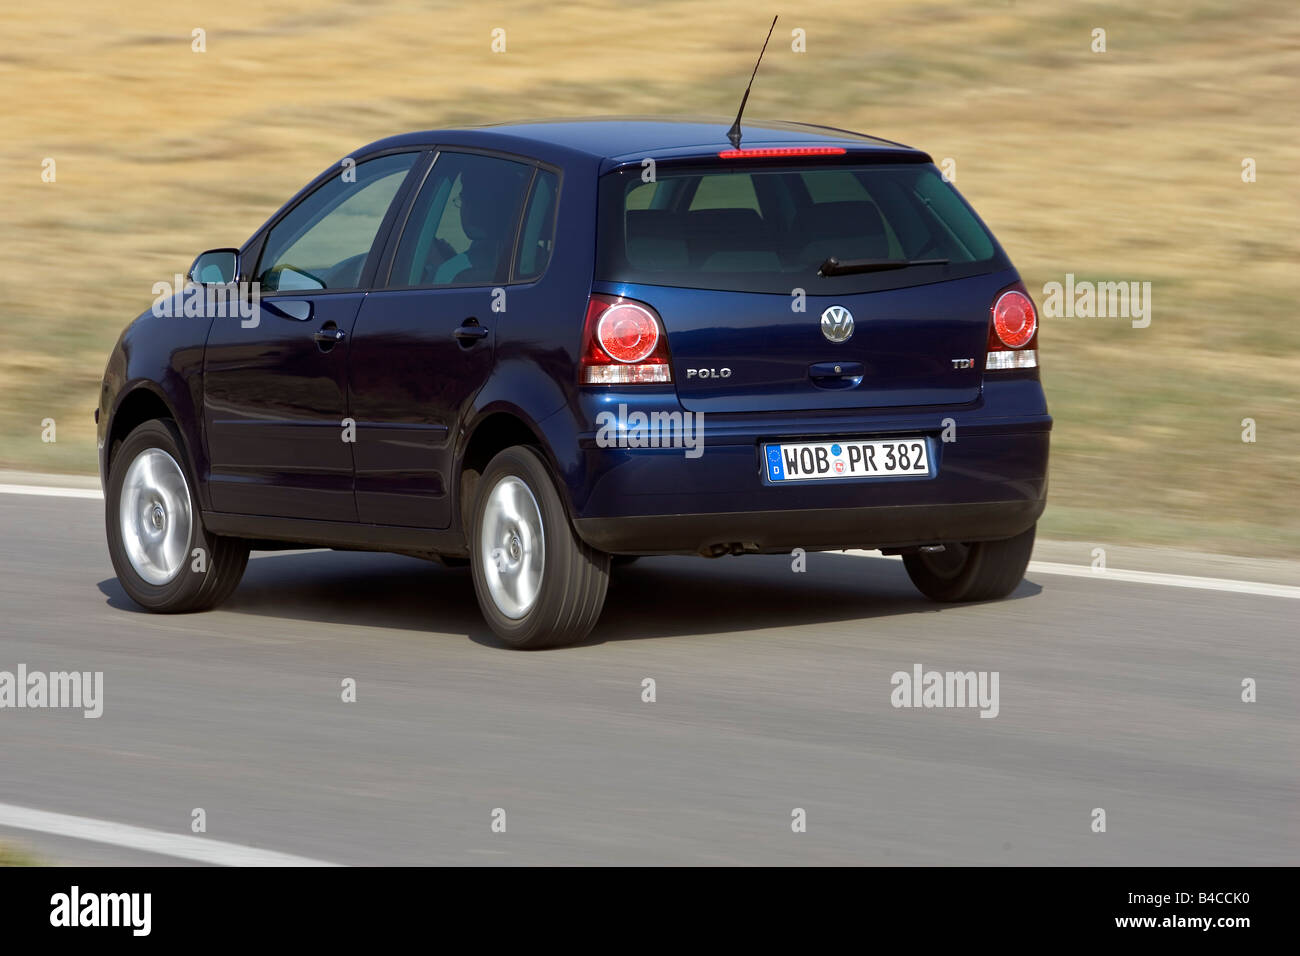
<point>729,256</point>
<point>423,346</point>
<point>275,392</point>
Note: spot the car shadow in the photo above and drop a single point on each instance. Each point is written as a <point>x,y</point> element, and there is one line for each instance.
<point>661,597</point>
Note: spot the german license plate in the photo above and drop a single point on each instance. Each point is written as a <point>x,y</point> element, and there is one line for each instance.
<point>877,458</point>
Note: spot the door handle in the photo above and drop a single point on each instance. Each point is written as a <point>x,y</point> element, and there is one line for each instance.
<point>470,332</point>
<point>329,336</point>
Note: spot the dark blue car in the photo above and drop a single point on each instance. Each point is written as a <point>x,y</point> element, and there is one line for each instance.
<point>545,348</point>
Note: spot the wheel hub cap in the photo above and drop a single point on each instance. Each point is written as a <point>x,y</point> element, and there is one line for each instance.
<point>512,547</point>
<point>155,518</point>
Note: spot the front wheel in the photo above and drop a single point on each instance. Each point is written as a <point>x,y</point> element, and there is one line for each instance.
<point>979,571</point>
<point>538,584</point>
<point>164,559</point>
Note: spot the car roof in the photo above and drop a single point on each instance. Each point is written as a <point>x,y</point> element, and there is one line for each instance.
<point>614,140</point>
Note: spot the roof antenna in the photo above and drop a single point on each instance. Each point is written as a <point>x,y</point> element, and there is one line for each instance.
<point>733,134</point>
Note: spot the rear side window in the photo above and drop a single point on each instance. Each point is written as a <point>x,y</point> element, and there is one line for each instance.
<point>770,229</point>
<point>537,233</point>
<point>463,224</point>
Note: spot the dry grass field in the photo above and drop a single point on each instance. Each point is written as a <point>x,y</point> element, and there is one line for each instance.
<point>1118,166</point>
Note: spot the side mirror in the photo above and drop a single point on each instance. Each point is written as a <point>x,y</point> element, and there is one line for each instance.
<point>215,267</point>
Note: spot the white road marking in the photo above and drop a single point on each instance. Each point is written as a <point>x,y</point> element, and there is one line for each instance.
<point>180,845</point>
<point>49,492</point>
<point>1036,567</point>
<point>1169,580</point>
<point>1143,577</point>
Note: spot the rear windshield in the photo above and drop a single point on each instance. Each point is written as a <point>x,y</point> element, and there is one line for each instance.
<point>768,230</point>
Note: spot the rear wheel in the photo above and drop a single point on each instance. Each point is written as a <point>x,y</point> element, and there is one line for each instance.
<point>537,583</point>
<point>979,571</point>
<point>164,559</point>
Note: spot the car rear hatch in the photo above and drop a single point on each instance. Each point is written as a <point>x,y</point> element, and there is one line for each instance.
<point>735,258</point>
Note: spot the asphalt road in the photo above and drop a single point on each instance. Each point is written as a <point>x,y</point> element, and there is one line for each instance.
<point>773,692</point>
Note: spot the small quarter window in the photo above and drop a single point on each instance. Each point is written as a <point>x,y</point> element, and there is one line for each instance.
<point>537,237</point>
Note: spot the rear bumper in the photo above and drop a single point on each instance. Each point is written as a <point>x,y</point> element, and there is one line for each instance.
<point>988,481</point>
<point>822,529</point>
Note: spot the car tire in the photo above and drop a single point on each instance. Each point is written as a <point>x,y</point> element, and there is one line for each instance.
<point>538,584</point>
<point>164,558</point>
<point>621,560</point>
<point>978,571</point>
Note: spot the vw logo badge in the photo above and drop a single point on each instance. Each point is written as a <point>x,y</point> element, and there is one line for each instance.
<point>837,324</point>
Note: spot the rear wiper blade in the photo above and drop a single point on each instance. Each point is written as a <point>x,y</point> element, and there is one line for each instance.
<point>834,267</point>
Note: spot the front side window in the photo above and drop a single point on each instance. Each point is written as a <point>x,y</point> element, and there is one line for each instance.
<point>323,242</point>
<point>463,224</point>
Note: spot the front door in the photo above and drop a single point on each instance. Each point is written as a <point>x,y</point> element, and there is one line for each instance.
<point>275,393</point>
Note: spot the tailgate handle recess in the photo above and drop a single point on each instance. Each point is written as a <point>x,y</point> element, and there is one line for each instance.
<point>836,374</point>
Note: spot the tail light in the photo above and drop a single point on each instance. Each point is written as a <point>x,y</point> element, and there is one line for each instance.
<point>1013,330</point>
<point>623,343</point>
